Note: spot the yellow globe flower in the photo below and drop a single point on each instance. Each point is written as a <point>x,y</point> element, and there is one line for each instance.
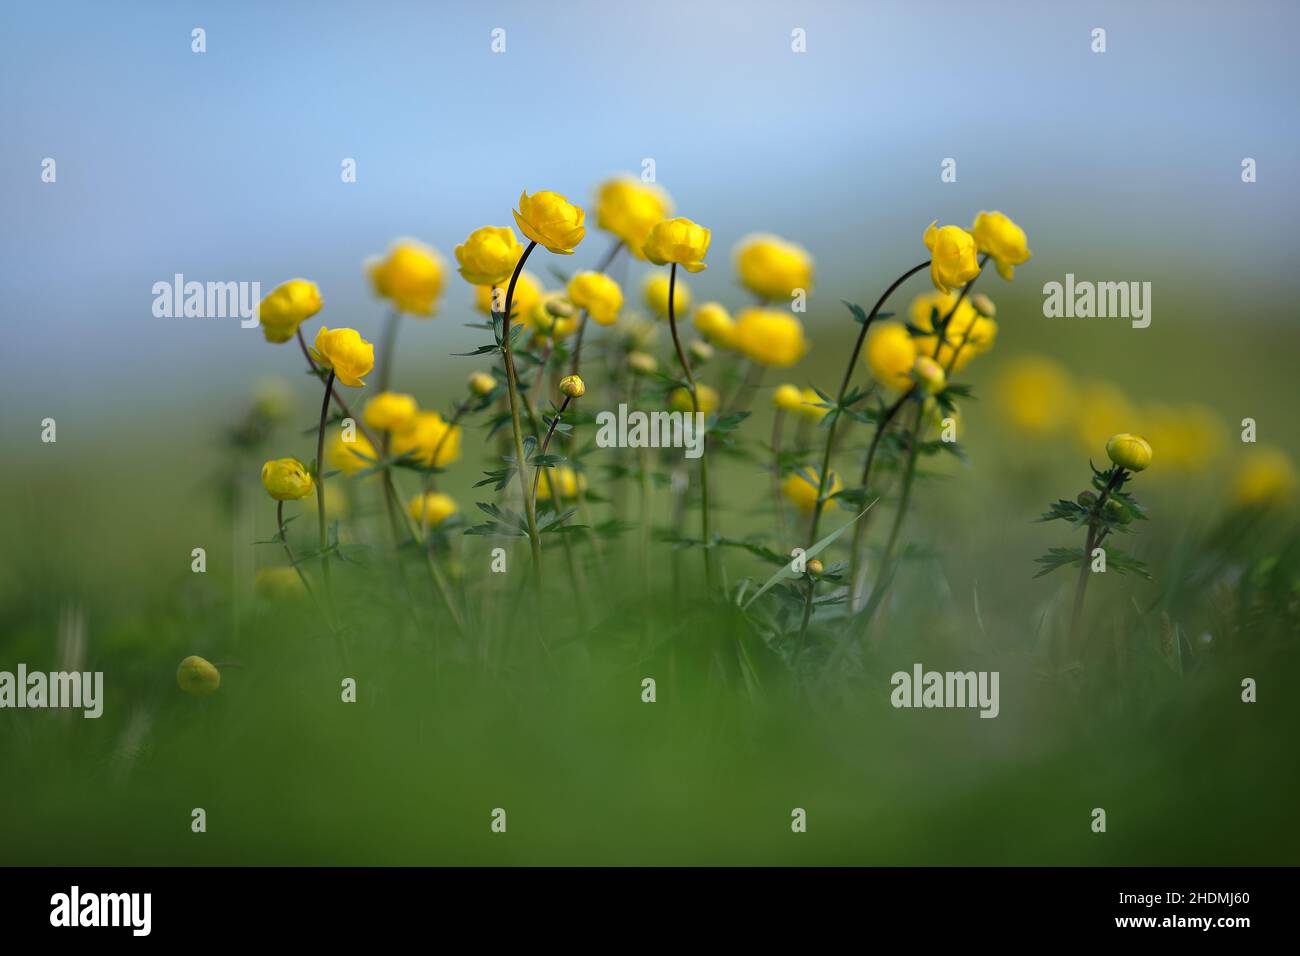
<point>1129,451</point>
<point>431,509</point>
<point>352,456</point>
<point>678,240</point>
<point>655,294</point>
<point>772,268</point>
<point>952,256</point>
<point>999,237</point>
<point>598,294</point>
<point>629,209</point>
<point>788,398</point>
<point>802,492</point>
<point>430,434</point>
<point>1265,477</point>
<point>390,412</point>
<point>410,277</point>
<point>550,220</point>
<point>345,351</point>
<point>278,583</point>
<point>770,337</point>
<point>679,399</point>
<point>567,482</point>
<point>287,479</point>
<point>489,255</point>
<point>714,322</point>
<point>481,383</point>
<point>890,353</point>
<point>197,677</point>
<point>969,332</point>
<point>1036,395</point>
<point>573,386</point>
<point>286,307</point>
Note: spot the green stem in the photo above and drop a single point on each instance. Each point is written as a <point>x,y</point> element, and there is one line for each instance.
<point>512,381</point>
<point>546,443</point>
<point>320,483</point>
<point>1085,568</point>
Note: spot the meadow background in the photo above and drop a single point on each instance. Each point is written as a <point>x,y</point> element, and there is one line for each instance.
<point>225,166</point>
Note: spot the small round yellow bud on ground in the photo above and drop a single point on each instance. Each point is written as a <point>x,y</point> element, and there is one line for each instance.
<point>714,322</point>
<point>430,435</point>
<point>770,337</point>
<point>278,583</point>
<point>1129,451</point>
<point>984,305</point>
<point>567,482</point>
<point>431,509</point>
<point>802,492</point>
<point>287,479</point>
<point>410,277</point>
<point>815,567</point>
<point>573,386</point>
<point>929,375</point>
<point>489,255</point>
<point>952,256</point>
<point>598,294</point>
<point>551,220</point>
<point>198,677</point>
<point>680,399</point>
<point>999,237</point>
<point>643,363</point>
<point>890,354</point>
<point>391,412</point>
<point>678,240</point>
<point>772,268</point>
<point>346,352</point>
<point>701,352</point>
<point>481,383</point>
<point>788,398</point>
<point>286,307</point>
<point>656,295</point>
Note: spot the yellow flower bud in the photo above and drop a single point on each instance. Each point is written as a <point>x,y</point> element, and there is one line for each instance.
<point>489,255</point>
<point>701,352</point>
<point>656,295</point>
<point>573,386</point>
<point>714,322</point>
<point>678,240</point>
<point>643,363</point>
<point>550,220</point>
<point>431,509</point>
<point>481,383</point>
<point>1129,451</point>
<point>410,277</point>
<point>429,436</point>
<point>890,354</point>
<point>287,479</point>
<point>999,237</point>
<point>952,256</point>
<point>352,456</point>
<point>567,482</point>
<point>929,375</point>
<point>772,268</point>
<point>815,567</point>
<point>629,209</point>
<point>788,398</point>
<point>1265,478</point>
<point>802,492</point>
<point>552,316</point>
<point>286,307</point>
<point>278,583</point>
<point>680,399</point>
<point>984,305</point>
<point>528,290</point>
<point>390,412</point>
<point>770,337</point>
<point>198,677</point>
<point>345,351</point>
<point>598,294</point>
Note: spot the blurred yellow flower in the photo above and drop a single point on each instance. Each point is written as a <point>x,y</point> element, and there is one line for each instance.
<point>969,333</point>
<point>1102,409</point>
<point>714,322</point>
<point>769,337</point>
<point>772,268</point>
<point>1035,394</point>
<point>429,434</point>
<point>1129,451</point>
<point>197,677</point>
<point>788,398</point>
<point>528,290</point>
<point>481,383</point>
<point>390,412</point>
<point>287,479</point>
<point>278,583</point>
<point>680,399</point>
<point>553,316</point>
<point>489,255</point>
<point>999,237</point>
<point>410,277</point>
<point>1189,436</point>
<point>952,256</point>
<point>551,220</point>
<point>286,307</point>
<point>890,353</point>
<point>929,375</point>
<point>598,294</point>
<point>629,209</point>
<point>678,240</point>
<point>800,488</point>
<point>567,482</point>
<point>1265,477</point>
<point>431,509</point>
<point>352,456</point>
<point>345,351</point>
<point>643,363</point>
<point>655,292</point>
<point>809,405</point>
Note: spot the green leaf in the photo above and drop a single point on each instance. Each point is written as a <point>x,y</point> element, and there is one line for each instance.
<point>786,574</point>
